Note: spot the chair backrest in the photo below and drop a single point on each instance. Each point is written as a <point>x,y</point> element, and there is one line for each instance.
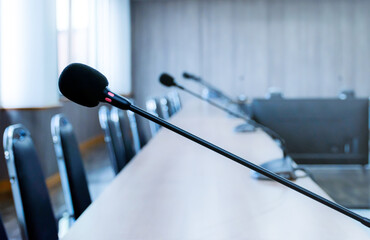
<point>135,130</point>
<point>30,194</point>
<point>163,111</point>
<point>71,169</point>
<point>151,107</point>
<point>144,137</point>
<point>3,235</point>
<point>171,106</point>
<point>113,139</point>
<point>125,122</point>
<point>175,99</point>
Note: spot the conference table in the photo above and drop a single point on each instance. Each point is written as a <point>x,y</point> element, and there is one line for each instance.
<point>177,189</point>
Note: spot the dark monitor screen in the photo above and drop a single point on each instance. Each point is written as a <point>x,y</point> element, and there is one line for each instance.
<point>318,131</point>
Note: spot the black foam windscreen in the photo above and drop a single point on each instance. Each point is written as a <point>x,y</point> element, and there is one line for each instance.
<point>167,80</point>
<point>191,76</point>
<point>82,84</point>
<point>187,75</point>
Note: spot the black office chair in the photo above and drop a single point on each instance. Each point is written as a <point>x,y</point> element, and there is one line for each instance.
<point>30,194</point>
<point>125,122</point>
<point>152,108</point>
<point>72,173</point>
<point>175,101</point>
<point>162,108</point>
<point>142,132</point>
<point>134,125</point>
<point>3,235</point>
<point>113,139</point>
<point>170,106</point>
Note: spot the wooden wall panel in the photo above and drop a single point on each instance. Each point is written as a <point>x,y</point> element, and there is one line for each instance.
<point>306,48</point>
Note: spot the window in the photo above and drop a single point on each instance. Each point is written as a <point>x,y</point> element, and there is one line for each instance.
<point>96,33</point>
<point>75,27</point>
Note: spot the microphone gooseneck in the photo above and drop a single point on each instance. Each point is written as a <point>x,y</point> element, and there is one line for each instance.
<point>109,97</point>
<point>168,81</point>
<point>190,76</point>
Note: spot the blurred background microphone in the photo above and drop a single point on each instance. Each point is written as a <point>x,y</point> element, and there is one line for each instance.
<point>209,91</point>
<point>284,166</point>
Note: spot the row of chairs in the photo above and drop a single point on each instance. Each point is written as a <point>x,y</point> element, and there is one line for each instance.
<point>163,107</point>
<point>121,129</point>
<point>121,135</point>
<point>30,194</point>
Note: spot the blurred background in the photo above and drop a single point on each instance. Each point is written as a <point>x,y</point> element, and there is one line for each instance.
<point>247,48</point>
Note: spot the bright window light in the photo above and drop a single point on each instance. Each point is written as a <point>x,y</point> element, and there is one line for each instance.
<point>62,15</point>
<point>80,14</point>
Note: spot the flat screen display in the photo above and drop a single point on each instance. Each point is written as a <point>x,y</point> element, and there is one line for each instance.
<point>318,131</point>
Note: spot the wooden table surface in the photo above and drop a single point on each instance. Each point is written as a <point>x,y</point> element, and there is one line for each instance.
<point>176,189</point>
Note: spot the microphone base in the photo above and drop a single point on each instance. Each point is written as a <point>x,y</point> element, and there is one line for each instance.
<point>284,167</point>
<point>245,127</point>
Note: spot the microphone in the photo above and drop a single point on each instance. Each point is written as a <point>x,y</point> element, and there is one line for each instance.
<point>282,166</point>
<point>168,81</point>
<point>86,86</point>
<point>192,77</point>
<point>207,85</point>
<point>87,92</point>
